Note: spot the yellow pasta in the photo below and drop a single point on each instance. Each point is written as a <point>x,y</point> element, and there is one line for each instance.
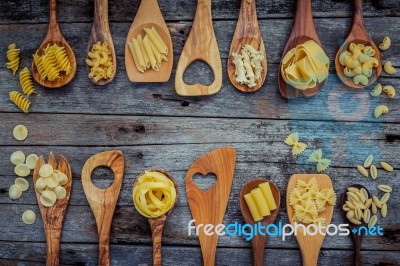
<point>377,90</point>
<point>100,61</point>
<point>62,58</point>
<point>252,207</point>
<point>260,201</point>
<point>267,193</point>
<point>20,101</point>
<point>293,140</point>
<point>316,157</point>
<point>25,80</point>
<point>37,59</point>
<point>385,43</point>
<point>160,46</point>
<point>13,58</point>
<point>380,109</point>
<point>390,91</point>
<point>150,54</point>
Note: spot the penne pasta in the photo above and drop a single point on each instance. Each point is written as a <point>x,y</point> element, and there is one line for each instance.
<point>138,53</point>
<point>145,57</point>
<point>150,54</point>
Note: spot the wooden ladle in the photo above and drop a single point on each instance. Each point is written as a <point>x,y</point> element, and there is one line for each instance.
<point>53,217</point>
<point>149,15</point>
<point>356,237</point>
<point>258,240</point>
<point>101,32</point>
<point>358,34</point>
<point>310,245</point>
<point>157,224</point>
<point>103,201</point>
<point>247,32</point>
<point>303,29</point>
<point>54,36</point>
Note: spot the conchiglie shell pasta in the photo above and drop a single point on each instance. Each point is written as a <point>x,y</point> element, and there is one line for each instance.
<point>22,170</point>
<point>22,183</point>
<point>15,192</point>
<point>48,198</point>
<point>17,157</point>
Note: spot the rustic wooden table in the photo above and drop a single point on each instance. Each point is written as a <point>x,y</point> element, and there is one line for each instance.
<point>155,128</point>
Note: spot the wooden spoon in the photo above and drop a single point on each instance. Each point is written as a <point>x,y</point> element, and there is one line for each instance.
<point>356,237</point>
<point>303,29</point>
<point>54,36</point>
<point>101,32</point>
<point>149,15</point>
<point>157,224</point>
<point>103,201</point>
<point>358,34</point>
<point>200,45</point>
<point>258,241</point>
<point>247,32</point>
<point>53,217</point>
<point>310,245</point>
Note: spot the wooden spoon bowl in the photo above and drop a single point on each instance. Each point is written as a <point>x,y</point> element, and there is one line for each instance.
<point>258,241</point>
<point>53,217</point>
<point>54,36</point>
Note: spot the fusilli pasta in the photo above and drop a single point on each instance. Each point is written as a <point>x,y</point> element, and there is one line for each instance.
<point>25,80</point>
<point>13,58</point>
<point>20,101</point>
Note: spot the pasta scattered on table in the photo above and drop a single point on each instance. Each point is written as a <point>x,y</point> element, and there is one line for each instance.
<point>293,140</point>
<point>13,58</point>
<point>20,101</point>
<point>25,80</point>
<point>316,157</point>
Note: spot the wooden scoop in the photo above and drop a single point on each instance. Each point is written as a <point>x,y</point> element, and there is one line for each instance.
<point>303,29</point>
<point>200,45</point>
<point>149,15</point>
<point>208,207</point>
<point>358,34</point>
<point>247,32</point>
<point>258,241</point>
<point>356,237</point>
<point>54,36</point>
<point>53,217</point>
<point>157,224</point>
<point>101,32</point>
<point>310,245</point>
<point>103,201</point>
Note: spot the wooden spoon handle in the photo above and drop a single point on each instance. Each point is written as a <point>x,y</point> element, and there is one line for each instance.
<point>157,225</point>
<point>258,247</point>
<point>310,256</point>
<point>357,250</point>
<point>248,19</point>
<point>358,18</point>
<point>53,237</point>
<point>101,15</point>
<point>304,23</point>
<point>53,21</point>
<point>104,249</point>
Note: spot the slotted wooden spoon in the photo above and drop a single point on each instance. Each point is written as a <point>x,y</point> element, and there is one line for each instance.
<point>53,217</point>
<point>247,32</point>
<point>310,245</point>
<point>103,201</point>
<point>101,32</point>
<point>157,224</point>
<point>303,29</point>
<point>258,240</point>
<point>200,45</point>
<point>359,35</point>
<point>54,36</point>
<point>149,15</point>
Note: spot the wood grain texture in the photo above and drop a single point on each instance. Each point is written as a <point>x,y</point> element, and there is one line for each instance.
<point>310,245</point>
<point>53,217</point>
<point>208,207</point>
<point>201,44</point>
<point>101,32</point>
<point>103,201</point>
<point>149,15</point>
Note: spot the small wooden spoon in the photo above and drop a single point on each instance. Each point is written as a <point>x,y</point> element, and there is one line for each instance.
<point>358,34</point>
<point>356,237</point>
<point>103,201</point>
<point>149,15</point>
<point>303,29</point>
<point>157,224</point>
<point>247,32</point>
<point>54,36</point>
<point>310,245</point>
<point>53,217</point>
<point>101,32</point>
<point>258,241</point>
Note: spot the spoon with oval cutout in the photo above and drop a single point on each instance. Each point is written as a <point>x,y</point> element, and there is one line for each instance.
<point>101,32</point>
<point>247,32</point>
<point>54,36</point>
<point>149,15</point>
<point>157,223</point>
<point>358,34</point>
<point>258,241</point>
<point>53,217</point>
<point>356,237</point>
<point>303,29</point>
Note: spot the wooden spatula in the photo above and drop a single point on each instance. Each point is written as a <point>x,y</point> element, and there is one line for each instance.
<point>208,207</point>
<point>200,45</point>
<point>310,245</point>
<point>103,201</point>
<point>53,217</point>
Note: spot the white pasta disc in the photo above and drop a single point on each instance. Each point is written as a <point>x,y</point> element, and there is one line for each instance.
<point>22,183</point>
<point>40,184</point>
<point>62,178</point>
<point>48,198</point>
<point>51,181</point>
<point>60,191</point>
<point>20,132</point>
<point>22,170</point>
<point>46,170</point>
<point>15,192</point>
<point>28,217</point>
<point>31,160</point>
<point>17,157</point>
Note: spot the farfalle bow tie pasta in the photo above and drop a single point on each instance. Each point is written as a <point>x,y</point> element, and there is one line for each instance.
<point>293,140</point>
<point>316,157</point>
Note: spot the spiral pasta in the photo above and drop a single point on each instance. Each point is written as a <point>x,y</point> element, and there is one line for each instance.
<point>25,80</point>
<point>13,58</point>
<point>20,101</point>
<point>100,61</point>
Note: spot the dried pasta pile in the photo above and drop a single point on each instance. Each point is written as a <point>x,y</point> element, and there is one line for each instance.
<point>100,61</point>
<point>260,201</point>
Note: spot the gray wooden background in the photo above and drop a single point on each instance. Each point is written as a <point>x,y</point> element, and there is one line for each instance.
<point>156,128</point>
